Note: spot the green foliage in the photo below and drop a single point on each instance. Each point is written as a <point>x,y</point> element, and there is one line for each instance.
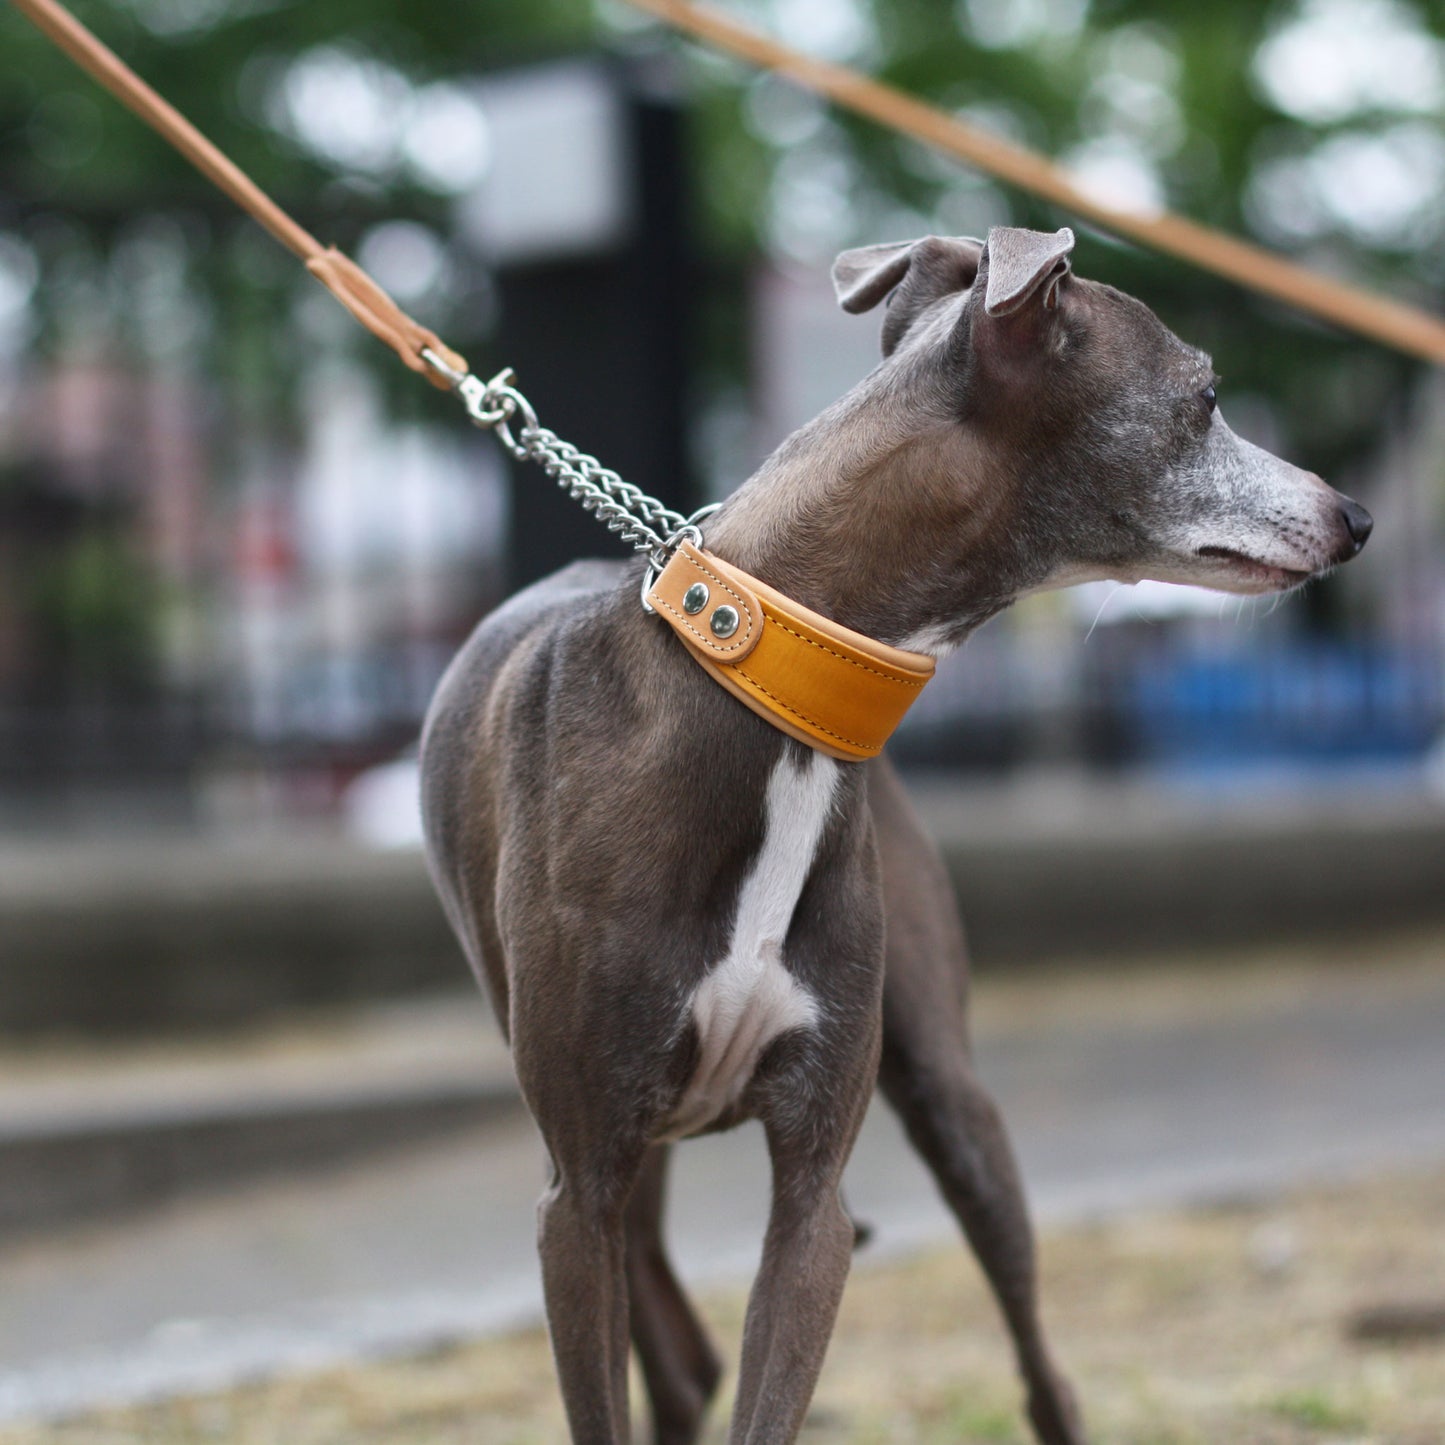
<point>1176,87</point>
<point>94,603</point>
<point>61,138</point>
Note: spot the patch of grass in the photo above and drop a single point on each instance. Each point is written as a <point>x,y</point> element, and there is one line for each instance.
<point>984,1425</point>
<point>1177,1328</point>
<point>1316,1410</point>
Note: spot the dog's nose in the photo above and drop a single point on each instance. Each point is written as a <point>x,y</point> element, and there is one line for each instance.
<point>1358,522</point>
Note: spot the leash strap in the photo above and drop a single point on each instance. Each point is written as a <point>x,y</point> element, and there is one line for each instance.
<point>351,286</point>
<point>821,683</point>
<point>1407,328</point>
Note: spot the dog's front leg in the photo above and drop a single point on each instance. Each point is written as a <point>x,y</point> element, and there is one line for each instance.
<point>591,1108</point>
<point>581,1240</point>
<point>809,1242</point>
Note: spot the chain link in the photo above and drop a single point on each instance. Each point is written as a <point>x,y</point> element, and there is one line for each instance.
<point>622,508</point>
<point>640,520</point>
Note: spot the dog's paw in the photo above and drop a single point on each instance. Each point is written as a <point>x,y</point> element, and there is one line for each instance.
<point>1054,1414</point>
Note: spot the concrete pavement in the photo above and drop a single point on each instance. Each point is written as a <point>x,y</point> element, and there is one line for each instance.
<point>92,1128</point>
<point>1122,1090</point>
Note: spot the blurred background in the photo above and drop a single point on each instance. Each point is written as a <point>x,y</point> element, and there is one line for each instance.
<point>239,544</point>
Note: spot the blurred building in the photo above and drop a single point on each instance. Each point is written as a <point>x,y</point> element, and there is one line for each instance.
<point>227,588</point>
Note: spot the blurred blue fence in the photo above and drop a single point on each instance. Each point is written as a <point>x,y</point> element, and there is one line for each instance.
<point>1309,700</point>
<point>1168,699</point>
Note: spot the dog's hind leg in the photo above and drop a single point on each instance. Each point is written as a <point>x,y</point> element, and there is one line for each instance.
<point>795,1297</point>
<point>926,1074</point>
<point>955,1126</point>
<point>679,1364</point>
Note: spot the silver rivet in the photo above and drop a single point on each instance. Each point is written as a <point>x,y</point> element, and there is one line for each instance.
<point>724,622</point>
<point>695,599</point>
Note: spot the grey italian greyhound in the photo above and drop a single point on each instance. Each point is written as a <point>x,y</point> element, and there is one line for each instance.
<point>686,919</point>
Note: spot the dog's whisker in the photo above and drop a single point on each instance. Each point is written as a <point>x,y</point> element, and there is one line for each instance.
<point>1109,596</point>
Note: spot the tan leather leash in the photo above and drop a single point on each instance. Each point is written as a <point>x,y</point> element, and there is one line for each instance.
<point>334,269</point>
<point>1406,328</point>
<point>815,680</point>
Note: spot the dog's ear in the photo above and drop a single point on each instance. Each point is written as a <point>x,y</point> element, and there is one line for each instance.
<point>911,274</point>
<point>863,277</point>
<point>1019,265</point>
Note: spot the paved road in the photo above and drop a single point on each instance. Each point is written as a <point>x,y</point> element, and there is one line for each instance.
<point>1121,1092</point>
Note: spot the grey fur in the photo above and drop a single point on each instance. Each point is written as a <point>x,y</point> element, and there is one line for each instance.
<point>594,803</point>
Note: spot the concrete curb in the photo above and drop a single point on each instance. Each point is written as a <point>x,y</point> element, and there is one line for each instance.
<point>85,1172</point>
<point>82,1137</point>
<point>192,937</point>
<point>121,936</point>
<point>1082,873</point>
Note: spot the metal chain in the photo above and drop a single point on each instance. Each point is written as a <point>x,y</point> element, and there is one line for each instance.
<point>622,508</point>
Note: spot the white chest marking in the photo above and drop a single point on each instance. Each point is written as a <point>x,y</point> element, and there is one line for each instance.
<point>750,998</point>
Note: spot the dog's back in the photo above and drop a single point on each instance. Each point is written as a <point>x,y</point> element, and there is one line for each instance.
<point>575,754</point>
<point>463,749</point>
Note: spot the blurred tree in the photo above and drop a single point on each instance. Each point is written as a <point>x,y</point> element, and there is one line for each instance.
<point>1316,127</point>
<point>1313,125</point>
<point>340,111</point>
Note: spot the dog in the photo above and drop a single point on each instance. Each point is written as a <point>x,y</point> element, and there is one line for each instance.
<point>679,909</point>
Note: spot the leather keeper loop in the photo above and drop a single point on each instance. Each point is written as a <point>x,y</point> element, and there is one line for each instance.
<point>692,568</point>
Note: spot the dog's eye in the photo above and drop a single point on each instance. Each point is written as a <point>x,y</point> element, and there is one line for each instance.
<point>1209,399</point>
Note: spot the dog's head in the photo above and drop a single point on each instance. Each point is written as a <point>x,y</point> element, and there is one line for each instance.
<point>1104,427</point>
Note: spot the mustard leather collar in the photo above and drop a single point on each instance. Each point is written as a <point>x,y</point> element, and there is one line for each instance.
<point>819,682</point>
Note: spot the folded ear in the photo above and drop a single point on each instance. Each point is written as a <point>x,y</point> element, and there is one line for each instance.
<point>1021,264</point>
<point>912,274</point>
<point>863,277</point>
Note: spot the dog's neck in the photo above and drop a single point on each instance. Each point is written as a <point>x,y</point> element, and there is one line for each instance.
<point>891,525</point>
